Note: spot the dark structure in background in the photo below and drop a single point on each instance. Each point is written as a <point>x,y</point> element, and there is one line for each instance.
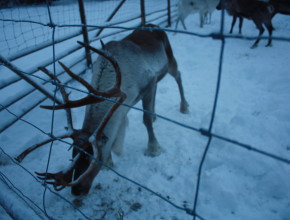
<point>12,3</point>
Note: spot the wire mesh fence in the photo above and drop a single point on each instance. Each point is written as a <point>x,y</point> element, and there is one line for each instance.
<point>66,19</point>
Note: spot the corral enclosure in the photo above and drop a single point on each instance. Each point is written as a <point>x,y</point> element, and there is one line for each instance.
<point>240,168</point>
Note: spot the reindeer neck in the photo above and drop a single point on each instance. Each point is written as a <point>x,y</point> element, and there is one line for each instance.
<point>102,80</point>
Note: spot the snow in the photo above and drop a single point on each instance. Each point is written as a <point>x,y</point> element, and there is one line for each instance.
<point>237,184</point>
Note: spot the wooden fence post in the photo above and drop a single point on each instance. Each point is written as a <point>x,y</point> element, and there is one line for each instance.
<point>168,13</point>
<point>85,31</point>
<point>143,16</point>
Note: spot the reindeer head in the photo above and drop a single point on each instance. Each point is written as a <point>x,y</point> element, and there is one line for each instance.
<point>87,156</point>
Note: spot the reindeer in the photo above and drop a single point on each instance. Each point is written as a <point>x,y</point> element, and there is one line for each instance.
<point>224,4</point>
<point>280,7</point>
<point>127,71</point>
<point>260,12</point>
<point>205,13</point>
<point>203,7</point>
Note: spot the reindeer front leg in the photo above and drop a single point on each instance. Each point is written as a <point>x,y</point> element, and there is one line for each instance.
<point>117,146</point>
<point>201,19</point>
<point>154,148</point>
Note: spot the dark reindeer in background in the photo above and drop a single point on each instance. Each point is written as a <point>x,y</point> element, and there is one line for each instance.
<point>127,71</point>
<point>255,9</point>
<point>260,12</point>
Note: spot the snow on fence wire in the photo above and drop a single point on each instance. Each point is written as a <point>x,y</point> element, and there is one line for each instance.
<point>31,74</point>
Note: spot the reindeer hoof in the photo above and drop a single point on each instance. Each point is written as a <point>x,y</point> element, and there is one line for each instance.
<point>254,46</point>
<point>78,202</point>
<point>154,118</point>
<point>152,153</point>
<point>108,164</point>
<point>153,150</point>
<point>184,108</point>
<point>269,45</point>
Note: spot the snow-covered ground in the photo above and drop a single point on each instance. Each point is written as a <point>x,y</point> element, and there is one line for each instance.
<point>236,184</point>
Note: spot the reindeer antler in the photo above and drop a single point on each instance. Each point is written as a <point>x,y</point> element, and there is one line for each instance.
<point>65,97</point>
<point>64,178</point>
<point>21,156</point>
<point>116,88</point>
<point>110,58</point>
<point>94,96</point>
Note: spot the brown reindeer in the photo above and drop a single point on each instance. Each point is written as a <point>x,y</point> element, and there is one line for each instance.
<point>127,71</point>
<point>260,12</point>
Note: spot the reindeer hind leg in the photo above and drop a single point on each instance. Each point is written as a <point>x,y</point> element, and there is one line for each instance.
<point>153,148</point>
<point>233,23</point>
<point>261,31</point>
<point>173,71</point>
<point>183,24</point>
<point>177,21</point>
<point>240,24</point>
<point>201,19</point>
<point>270,29</point>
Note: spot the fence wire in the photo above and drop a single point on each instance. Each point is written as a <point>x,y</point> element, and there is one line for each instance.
<point>200,130</point>
<point>206,132</point>
<point>189,211</point>
<point>41,182</point>
<point>29,202</point>
<point>53,112</point>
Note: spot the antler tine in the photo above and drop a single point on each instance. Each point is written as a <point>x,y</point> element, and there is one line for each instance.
<point>110,58</point>
<point>92,167</point>
<point>77,78</point>
<point>74,104</point>
<point>62,178</point>
<point>110,93</point>
<point>46,71</point>
<point>81,102</point>
<point>64,94</point>
<point>21,156</point>
<point>107,94</point>
<point>103,45</point>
